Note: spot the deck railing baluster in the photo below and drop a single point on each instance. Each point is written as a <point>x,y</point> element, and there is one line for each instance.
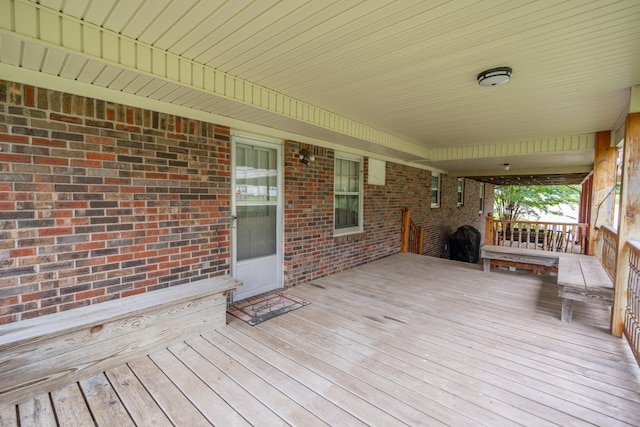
<point>632,314</point>
<point>540,235</point>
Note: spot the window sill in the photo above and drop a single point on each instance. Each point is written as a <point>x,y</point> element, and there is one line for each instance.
<point>348,232</point>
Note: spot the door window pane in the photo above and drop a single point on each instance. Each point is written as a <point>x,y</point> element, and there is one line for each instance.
<point>256,174</point>
<point>256,231</point>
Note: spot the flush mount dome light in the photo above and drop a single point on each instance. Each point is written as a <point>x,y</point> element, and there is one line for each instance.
<point>494,76</point>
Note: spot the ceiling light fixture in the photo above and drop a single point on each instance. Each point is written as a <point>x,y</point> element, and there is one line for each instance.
<point>494,76</point>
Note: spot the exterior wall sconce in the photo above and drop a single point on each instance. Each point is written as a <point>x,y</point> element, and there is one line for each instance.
<point>506,166</point>
<point>305,157</point>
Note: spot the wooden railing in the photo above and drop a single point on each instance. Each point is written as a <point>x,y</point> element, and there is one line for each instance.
<point>412,235</point>
<point>632,312</point>
<point>609,255</point>
<point>544,236</point>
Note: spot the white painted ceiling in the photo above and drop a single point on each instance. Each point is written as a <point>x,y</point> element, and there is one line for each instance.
<point>406,68</point>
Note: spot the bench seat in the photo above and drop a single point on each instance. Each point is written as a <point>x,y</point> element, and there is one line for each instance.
<point>580,277</point>
<point>518,257</point>
<point>44,353</point>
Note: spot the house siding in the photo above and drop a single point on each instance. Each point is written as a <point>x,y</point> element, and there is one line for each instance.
<point>100,201</point>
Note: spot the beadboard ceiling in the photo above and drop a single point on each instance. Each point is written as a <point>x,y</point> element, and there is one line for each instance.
<point>393,78</point>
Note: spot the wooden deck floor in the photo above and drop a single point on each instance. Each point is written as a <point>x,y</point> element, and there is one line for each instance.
<point>407,340</point>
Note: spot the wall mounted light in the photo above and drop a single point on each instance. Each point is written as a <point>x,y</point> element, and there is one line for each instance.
<point>305,157</point>
<point>506,166</point>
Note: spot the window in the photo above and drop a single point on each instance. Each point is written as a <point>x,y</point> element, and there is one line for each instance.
<point>435,190</point>
<point>460,192</point>
<point>481,210</point>
<point>347,193</point>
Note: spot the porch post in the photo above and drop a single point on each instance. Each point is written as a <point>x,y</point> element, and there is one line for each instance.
<point>629,219</point>
<point>488,231</point>
<point>603,192</point>
<point>406,225</point>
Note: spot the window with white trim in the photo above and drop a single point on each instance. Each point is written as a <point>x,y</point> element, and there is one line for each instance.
<point>481,198</point>
<point>347,193</point>
<point>460,200</point>
<point>435,190</point>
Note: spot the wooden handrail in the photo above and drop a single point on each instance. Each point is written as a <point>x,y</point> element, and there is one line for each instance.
<point>412,235</point>
<point>540,235</point>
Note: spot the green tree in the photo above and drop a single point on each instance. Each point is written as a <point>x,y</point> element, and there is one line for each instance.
<point>516,202</point>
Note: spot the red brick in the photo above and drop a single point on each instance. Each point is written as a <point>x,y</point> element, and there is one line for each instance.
<point>21,139</point>
<point>14,158</point>
<point>8,319</point>
<point>65,119</point>
<point>89,246</point>
<point>119,258</point>
<point>128,128</point>
<point>92,164</point>
<point>70,205</point>
<point>50,161</point>
<point>12,300</point>
<point>101,140</point>
<point>58,231</point>
<point>92,155</point>
<point>133,292</point>
<point>29,96</point>
<point>22,252</point>
<point>89,294</point>
<point>127,189</point>
<point>48,142</point>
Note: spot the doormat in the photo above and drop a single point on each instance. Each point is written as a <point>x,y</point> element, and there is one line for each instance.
<point>263,307</point>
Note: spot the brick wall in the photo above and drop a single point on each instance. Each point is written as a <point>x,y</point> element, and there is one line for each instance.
<point>311,251</point>
<point>100,201</point>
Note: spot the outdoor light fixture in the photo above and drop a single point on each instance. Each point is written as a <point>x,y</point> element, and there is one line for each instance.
<point>305,157</point>
<point>506,166</point>
<point>494,76</point>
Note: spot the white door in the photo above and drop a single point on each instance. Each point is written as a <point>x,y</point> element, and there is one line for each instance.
<point>256,210</point>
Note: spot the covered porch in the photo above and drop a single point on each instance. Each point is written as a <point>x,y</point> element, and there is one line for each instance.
<point>405,340</point>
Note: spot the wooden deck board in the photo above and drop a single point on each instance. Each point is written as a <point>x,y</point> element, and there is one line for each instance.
<point>37,412</point>
<point>290,411</point>
<point>178,408</point>
<point>340,394</point>
<point>106,407</point>
<point>70,407</point>
<point>236,399</point>
<point>407,340</point>
<point>278,380</point>
<point>402,402</point>
<point>558,394</point>
<point>135,398</point>
<point>8,416</point>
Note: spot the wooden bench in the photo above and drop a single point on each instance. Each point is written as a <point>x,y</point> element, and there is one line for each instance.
<point>580,277</point>
<point>519,258</point>
<point>41,354</point>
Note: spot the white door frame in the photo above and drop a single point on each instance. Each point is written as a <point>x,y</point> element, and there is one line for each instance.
<point>236,267</point>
